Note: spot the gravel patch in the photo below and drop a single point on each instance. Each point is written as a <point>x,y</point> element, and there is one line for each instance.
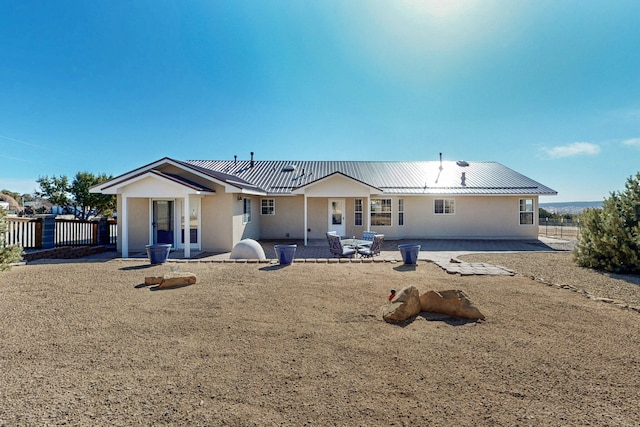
<point>559,268</point>
<point>265,345</point>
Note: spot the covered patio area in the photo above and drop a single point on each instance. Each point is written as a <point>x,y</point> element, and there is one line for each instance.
<point>430,249</point>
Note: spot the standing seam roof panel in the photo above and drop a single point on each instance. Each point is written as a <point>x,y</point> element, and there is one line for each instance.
<point>394,177</point>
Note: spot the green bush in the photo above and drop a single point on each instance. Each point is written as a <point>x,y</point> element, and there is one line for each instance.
<point>8,254</point>
<point>610,237</point>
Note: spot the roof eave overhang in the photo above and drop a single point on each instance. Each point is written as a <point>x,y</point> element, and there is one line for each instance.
<point>252,192</point>
<point>117,187</point>
<point>124,179</point>
<point>467,193</point>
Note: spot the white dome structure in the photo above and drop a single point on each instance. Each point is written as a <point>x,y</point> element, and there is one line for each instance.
<point>248,249</point>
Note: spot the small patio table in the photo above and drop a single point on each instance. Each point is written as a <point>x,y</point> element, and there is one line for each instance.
<point>355,243</point>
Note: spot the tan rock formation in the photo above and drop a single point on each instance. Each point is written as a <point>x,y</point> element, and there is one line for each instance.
<point>403,306</point>
<point>452,302</point>
<point>171,280</point>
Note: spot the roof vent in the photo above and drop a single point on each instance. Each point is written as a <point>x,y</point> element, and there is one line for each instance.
<point>289,168</point>
<point>462,163</point>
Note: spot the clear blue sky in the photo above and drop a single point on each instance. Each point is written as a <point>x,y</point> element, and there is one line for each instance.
<point>548,88</point>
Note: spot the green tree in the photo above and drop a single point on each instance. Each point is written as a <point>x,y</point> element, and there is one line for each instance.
<point>85,201</point>
<point>75,197</point>
<point>543,214</point>
<point>55,189</point>
<point>610,237</point>
<point>8,254</point>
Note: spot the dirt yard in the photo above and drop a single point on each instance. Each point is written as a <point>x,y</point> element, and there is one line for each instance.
<point>261,345</point>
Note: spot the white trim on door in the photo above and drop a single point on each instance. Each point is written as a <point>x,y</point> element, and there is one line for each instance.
<point>152,234</point>
<point>336,218</point>
<point>195,215</point>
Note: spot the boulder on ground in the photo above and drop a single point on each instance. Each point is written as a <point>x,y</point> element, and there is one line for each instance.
<point>247,249</point>
<point>171,280</point>
<point>153,280</point>
<point>175,279</point>
<point>452,302</point>
<point>403,306</point>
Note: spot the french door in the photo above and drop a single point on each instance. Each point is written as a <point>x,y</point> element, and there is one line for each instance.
<point>163,220</point>
<point>169,222</point>
<point>336,217</point>
<point>192,223</point>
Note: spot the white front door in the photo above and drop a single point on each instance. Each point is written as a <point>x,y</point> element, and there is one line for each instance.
<point>336,216</point>
<point>162,223</point>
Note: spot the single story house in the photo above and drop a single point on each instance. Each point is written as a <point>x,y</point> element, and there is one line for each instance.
<point>221,202</point>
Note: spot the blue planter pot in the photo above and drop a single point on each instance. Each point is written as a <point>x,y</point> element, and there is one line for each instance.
<point>409,253</point>
<point>285,253</point>
<point>158,253</point>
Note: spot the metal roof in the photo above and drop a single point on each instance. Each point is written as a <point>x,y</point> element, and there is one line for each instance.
<point>185,181</point>
<point>281,177</point>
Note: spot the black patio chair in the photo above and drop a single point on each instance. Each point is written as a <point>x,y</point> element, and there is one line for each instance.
<point>374,249</point>
<point>336,248</point>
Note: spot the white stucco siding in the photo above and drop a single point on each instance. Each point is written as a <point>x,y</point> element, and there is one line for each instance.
<point>288,220</point>
<point>337,186</point>
<point>318,217</point>
<point>350,218</point>
<point>217,222</point>
<point>154,187</point>
<point>475,217</point>
<point>240,229</point>
<point>138,214</point>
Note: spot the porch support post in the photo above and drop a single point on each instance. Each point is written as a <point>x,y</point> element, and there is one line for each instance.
<point>305,220</point>
<point>368,211</point>
<point>124,217</point>
<point>187,228</point>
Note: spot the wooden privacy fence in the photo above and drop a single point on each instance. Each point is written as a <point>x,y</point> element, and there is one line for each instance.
<point>47,232</point>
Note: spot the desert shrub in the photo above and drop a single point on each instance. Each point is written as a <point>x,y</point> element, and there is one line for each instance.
<point>610,237</point>
<point>8,254</point>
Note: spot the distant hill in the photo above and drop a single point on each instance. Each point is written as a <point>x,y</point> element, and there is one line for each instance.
<point>569,207</point>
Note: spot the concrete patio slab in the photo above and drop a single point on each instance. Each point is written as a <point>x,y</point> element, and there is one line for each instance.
<point>442,252</point>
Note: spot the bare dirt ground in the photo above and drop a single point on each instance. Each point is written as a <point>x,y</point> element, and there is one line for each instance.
<point>256,345</point>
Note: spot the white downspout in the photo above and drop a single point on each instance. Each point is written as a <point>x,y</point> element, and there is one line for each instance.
<point>305,220</point>
<point>151,223</point>
<point>368,221</point>
<point>187,228</point>
<point>125,228</point>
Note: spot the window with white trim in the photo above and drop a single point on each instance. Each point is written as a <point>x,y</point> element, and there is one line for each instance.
<point>246,211</point>
<point>268,206</point>
<point>526,212</point>
<point>444,206</point>
<point>400,211</point>
<point>357,212</point>
<point>381,212</point>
